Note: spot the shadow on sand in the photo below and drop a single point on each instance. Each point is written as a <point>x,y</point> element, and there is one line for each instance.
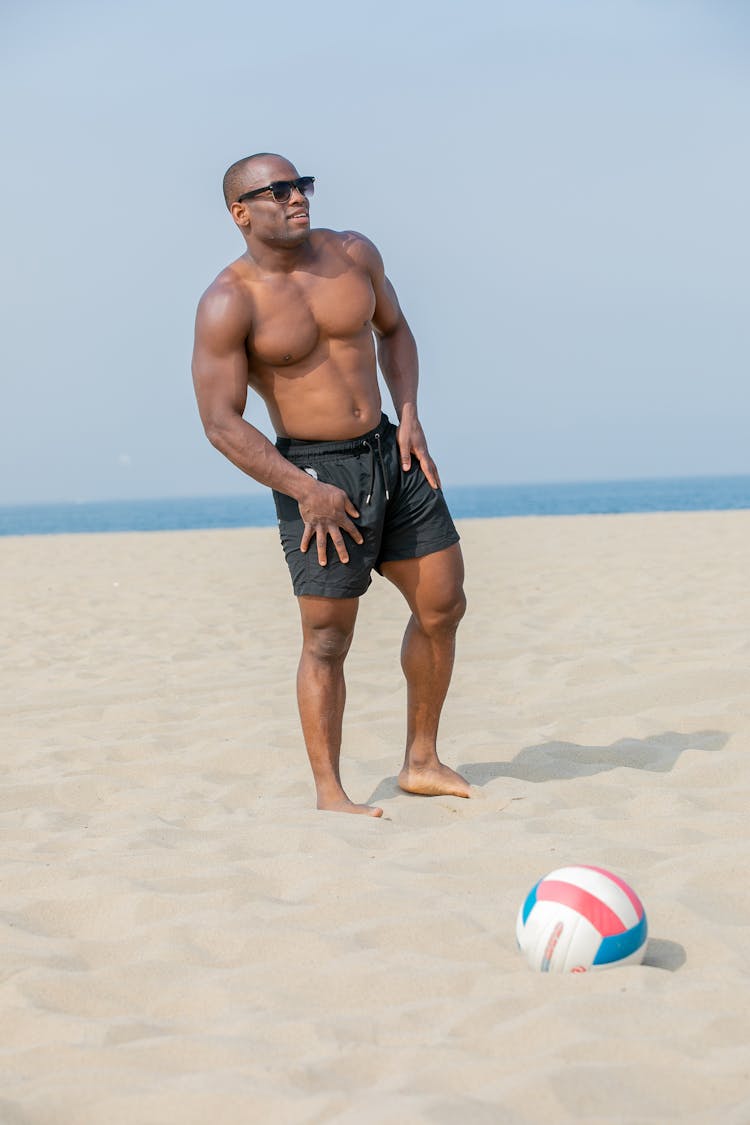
<point>564,761</point>
<point>663,954</point>
<point>560,761</point>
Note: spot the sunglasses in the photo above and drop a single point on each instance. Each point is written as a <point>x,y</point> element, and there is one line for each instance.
<point>281,190</point>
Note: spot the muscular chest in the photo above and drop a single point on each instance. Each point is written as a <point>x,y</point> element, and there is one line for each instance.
<point>292,316</point>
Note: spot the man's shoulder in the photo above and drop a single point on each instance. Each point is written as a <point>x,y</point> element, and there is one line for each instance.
<point>233,278</point>
<point>226,298</point>
<point>230,285</point>
<point>352,244</point>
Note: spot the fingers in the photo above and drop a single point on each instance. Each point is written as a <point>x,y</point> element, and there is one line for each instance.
<point>329,517</point>
<point>322,544</point>
<point>429,468</point>
<point>351,529</point>
<point>404,450</point>
<point>340,546</point>
<point>322,533</point>
<point>414,443</point>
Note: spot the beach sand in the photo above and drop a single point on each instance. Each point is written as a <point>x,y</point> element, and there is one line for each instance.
<point>185,939</point>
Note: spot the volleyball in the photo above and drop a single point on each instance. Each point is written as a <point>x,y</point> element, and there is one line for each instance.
<point>581,918</point>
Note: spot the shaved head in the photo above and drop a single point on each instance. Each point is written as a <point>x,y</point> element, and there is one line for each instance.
<point>235,176</point>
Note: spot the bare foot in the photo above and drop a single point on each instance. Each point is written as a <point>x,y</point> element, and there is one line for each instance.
<point>345,805</point>
<point>435,780</point>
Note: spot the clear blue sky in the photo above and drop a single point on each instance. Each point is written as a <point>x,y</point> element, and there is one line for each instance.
<point>559,190</point>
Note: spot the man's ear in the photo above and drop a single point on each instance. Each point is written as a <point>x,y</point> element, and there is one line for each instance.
<point>241,215</point>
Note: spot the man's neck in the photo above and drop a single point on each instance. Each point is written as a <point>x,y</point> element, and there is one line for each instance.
<point>279,259</point>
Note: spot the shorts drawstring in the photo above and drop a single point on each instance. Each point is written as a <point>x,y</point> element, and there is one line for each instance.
<point>366,445</point>
<point>308,454</point>
<point>382,467</point>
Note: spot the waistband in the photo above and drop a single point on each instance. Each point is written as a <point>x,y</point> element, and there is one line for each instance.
<point>292,446</point>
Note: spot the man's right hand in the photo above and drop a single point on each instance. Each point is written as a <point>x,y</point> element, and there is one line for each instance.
<point>327,510</point>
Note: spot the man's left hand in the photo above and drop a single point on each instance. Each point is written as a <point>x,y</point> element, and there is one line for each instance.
<point>411,440</point>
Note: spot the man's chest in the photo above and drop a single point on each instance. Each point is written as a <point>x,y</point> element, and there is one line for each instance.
<point>292,315</point>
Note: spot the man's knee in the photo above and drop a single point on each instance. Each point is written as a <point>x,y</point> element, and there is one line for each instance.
<point>327,643</point>
<point>442,615</point>
<point>327,627</point>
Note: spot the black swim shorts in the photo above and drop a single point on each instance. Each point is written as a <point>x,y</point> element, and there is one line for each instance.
<point>400,515</point>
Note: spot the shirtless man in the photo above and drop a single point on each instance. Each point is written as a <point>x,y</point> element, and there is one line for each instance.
<point>294,318</point>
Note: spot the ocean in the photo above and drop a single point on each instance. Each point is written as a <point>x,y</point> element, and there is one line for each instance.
<point>678,494</point>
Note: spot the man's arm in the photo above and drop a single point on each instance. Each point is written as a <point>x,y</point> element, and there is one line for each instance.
<point>397,356</point>
<point>220,381</point>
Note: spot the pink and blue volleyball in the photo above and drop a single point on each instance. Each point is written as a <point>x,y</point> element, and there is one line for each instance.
<point>581,918</point>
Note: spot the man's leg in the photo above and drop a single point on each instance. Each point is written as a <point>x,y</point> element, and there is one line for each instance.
<point>327,630</point>
<point>433,587</point>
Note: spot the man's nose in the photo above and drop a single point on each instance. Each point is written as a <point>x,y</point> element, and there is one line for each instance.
<point>297,191</point>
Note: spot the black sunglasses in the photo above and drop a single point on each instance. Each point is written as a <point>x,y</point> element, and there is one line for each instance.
<point>281,190</point>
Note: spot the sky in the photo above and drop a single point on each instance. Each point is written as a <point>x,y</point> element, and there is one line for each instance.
<point>559,189</point>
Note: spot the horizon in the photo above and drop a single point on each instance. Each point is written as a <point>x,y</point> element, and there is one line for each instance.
<point>257,491</point>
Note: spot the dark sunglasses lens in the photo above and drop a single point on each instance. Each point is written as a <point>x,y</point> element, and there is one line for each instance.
<point>281,190</point>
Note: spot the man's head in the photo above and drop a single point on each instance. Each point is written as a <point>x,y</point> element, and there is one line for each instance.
<point>272,216</point>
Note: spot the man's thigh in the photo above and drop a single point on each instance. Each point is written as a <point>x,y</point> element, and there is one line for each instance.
<point>432,584</point>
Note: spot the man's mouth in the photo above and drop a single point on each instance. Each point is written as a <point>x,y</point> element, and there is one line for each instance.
<point>298,215</point>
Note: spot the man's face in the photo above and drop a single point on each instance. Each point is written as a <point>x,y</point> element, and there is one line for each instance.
<point>276,224</point>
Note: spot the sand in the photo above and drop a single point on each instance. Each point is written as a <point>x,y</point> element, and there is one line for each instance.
<point>185,939</point>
